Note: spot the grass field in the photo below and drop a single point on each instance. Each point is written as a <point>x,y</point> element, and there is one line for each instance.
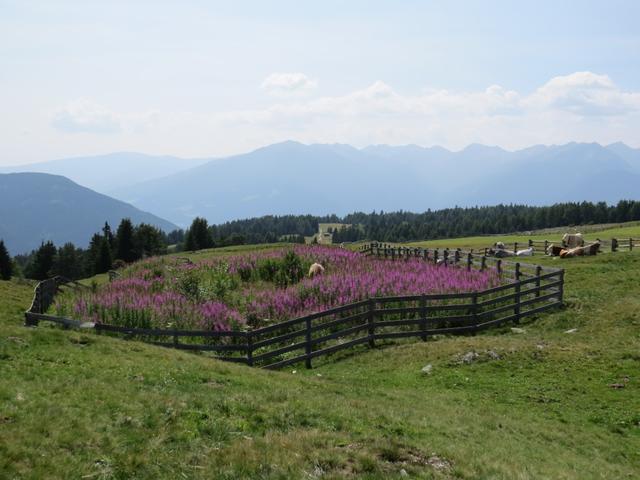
<point>591,233</point>
<point>532,405</point>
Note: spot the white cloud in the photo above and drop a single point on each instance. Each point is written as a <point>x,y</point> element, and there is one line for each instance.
<point>288,83</point>
<point>579,107</point>
<point>86,116</point>
<point>585,93</point>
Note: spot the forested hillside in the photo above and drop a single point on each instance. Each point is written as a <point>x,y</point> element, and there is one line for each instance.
<point>452,222</point>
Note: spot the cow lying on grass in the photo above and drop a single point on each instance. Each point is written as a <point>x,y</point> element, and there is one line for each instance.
<point>591,249</point>
<point>563,252</point>
<point>316,269</point>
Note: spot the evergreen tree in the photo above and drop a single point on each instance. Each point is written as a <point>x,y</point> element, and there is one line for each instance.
<point>92,254</point>
<point>198,236</point>
<point>41,265</point>
<point>103,260</point>
<point>6,265</point>
<point>124,241</point>
<point>148,241</point>
<point>68,262</point>
<point>108,234</point>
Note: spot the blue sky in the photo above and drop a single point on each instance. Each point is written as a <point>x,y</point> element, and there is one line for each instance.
<point>204,78</point>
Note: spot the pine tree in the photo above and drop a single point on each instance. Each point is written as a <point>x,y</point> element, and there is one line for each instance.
<point>198,236</point>
<point>6,265</point>
<point>124,240</point>
<point>148,240</point>
<point>68,262</point>
<point>41,265</point>
<point>103,260</point>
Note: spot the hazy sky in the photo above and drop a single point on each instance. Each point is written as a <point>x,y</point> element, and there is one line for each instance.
<point>205,78</point>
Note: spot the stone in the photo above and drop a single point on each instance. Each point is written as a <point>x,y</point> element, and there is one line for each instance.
<point>427,369</point>
<point>573,330</point>
<point>518,330</point>
<point>493,355</point>
<point>469,357</point>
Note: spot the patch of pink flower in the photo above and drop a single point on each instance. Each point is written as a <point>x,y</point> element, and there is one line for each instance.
<point>148,294</point>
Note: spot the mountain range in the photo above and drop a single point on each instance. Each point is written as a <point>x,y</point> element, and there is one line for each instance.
<point>293,178</point>
<point>36,207</point>
<point>104,173</point>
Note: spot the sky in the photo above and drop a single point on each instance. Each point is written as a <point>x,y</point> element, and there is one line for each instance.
<point>208,79</point>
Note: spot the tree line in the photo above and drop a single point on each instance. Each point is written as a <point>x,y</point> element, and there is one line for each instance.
<point>108,249</point>
<point>402,226</point>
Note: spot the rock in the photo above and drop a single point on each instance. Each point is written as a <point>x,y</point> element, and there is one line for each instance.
<point>493,355</point>
<point>617,385</point>
<point>573,330</point>
<point>469,357</point>
<point>518,330</point>
<point>540,346</point>
<point>427,369</point>
<point>403,473</point>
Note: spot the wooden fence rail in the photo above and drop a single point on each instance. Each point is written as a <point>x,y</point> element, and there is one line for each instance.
<point>527,290</point>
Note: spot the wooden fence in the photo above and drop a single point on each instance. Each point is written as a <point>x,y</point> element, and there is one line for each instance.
<point>542,246</point>
<point>526,290</point>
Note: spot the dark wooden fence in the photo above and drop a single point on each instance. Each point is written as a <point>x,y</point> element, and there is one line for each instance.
<point>526,290</point>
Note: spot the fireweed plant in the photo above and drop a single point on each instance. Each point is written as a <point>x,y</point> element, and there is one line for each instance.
<point>252,290</point>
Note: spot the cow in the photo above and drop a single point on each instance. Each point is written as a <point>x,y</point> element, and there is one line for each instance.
<point>528,252</point>
<point>591,249</point>
<point>316,269</point>
<point>572,240</point>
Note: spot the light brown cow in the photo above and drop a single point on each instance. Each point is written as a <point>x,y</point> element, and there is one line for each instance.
<point>572,240</point>
<point>316,269</point>
<point>591,249</point>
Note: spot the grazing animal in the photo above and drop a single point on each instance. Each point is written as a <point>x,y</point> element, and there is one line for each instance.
<point>528,252</point>
<point>572,240</point>
<point>316,269</point>
<point>591,249</point>
<point>499,246</point>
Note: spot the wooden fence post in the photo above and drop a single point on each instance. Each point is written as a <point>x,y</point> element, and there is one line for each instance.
<point>516,309</point>
<point>614,244</point>
<point>561,288</point>
<point>530,243</point>
<point>371,331</point>
<point>469,261</point>
<point>456,256</point>
<point>515,247</point>
<point>175,338</point>
<point>483,263</point>
<point>435,256</point>
<point>630,244</point>
<point>499,266</point>
<point>307,345</point>
<point>250,348</point>
<point>474,311</point>
<point>546,247</point>
<point>446,256</point>
<point>423,317</point>
<point>538,273</point>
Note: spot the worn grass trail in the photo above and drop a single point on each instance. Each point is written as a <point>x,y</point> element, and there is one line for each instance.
<point>532,405</point>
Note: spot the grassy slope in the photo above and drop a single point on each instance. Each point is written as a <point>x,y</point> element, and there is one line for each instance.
<point>619,232</point>
<point>74,404</point>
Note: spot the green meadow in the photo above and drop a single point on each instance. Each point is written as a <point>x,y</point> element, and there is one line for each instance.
<point>557,399</point>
